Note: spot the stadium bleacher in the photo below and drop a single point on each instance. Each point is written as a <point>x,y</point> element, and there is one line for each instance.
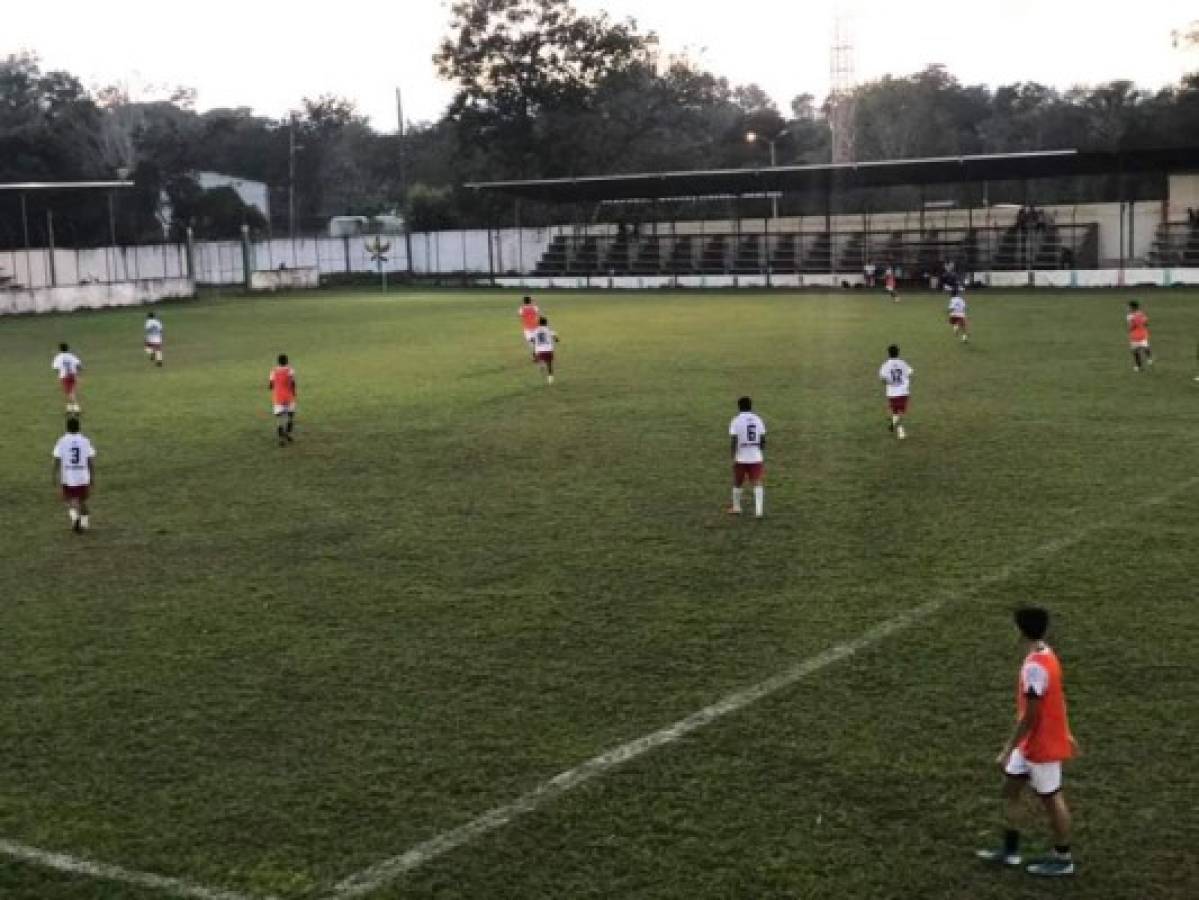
<point>602,250</point>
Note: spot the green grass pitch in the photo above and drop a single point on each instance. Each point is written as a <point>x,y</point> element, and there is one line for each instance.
<point>267,668</point>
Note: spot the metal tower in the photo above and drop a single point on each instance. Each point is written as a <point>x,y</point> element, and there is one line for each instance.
<point>841,85</point>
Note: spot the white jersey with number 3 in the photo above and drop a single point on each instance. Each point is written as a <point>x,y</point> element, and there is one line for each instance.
<point>897,375</point>
<point>749,429</point>
<point>957,307</point>
<point>73,451</point>
<point>543,339</point>
<point>153,331</point>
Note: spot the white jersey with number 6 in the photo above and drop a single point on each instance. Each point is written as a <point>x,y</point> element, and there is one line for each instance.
<point>543,339</point>
<point>153,331</point>
<point>957,306</point>
<point>897,375</point>
<point>73,451</point>
<point>749,429</point>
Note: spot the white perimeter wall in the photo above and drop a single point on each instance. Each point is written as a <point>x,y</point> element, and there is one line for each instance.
<point>1081,278</point>
<point>220,262</point>
<point>93,296</point>
<point>510,251</point>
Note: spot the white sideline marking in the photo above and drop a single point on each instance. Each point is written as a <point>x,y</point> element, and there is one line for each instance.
<point>380,874</point>
<point>73,865</point>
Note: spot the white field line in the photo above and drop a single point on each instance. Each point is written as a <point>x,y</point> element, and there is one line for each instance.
<point>381,874</point>
<point>73,865</point>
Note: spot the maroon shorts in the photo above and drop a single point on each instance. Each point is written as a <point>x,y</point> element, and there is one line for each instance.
<point>957,320</point>
<point>78,492</point>
<point>68,384</point>
<point>546,356</point>
<point>752,471</point>
<point>899,405</point>
<point>152,346</point>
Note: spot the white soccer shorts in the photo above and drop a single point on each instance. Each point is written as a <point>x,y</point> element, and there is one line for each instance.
<point>1044,778</point>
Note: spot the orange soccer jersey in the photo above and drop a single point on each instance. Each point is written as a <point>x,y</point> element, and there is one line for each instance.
<point>1050,739</point>
<point>529,315</point>
<point>1138,326</point>
<point>283,384</point>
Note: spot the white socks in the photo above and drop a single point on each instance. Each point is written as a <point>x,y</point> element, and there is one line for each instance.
<point>759,499</point>
<point>737,492</point>
<point>73,513</point>
<point>83,522</point>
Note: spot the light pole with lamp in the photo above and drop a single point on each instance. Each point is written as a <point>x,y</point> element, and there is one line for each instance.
<point>752,137</point>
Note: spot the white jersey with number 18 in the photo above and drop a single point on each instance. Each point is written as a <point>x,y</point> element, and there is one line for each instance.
<point>897,375</point>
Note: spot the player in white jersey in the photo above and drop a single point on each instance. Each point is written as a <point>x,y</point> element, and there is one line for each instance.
<point>747,440</point>
<point>154,339</point>
<point>68,366</point>
<point>957,316</point>
<point>897,376</point>
<point>544,339</point>
<point>74,473</point>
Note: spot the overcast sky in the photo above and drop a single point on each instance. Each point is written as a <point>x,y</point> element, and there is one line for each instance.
<point>269,53</point>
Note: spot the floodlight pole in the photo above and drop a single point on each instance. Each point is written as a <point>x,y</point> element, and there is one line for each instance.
<point>50,246</point>
<point>752,137</point>
<point>774,199</point>
<point>25,222</point>
<point>291,180</point>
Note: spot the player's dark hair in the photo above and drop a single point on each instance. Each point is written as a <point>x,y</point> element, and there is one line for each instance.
<point>1033,622</point>
<point>893,351</point>
<point>73,425</point>
<point>527,300</point>
<point>150,315</point>
<point>543,321</point>
<point>744,404</point>
<point>282,359</point>
<point>1132,304</point>
<point>63,347</point>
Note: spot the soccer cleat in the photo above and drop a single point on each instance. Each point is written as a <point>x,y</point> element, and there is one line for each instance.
<point>1052,867</point>
<point>999,856</point>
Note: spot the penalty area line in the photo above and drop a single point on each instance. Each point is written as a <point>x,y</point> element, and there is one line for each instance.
<point>383,873</point>
<point>73,865</point>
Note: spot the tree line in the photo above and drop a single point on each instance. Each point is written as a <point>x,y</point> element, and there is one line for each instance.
<point>542,90</point>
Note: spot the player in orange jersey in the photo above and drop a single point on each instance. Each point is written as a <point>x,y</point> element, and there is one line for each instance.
<point>530,317</point>
<point>1039,745</point>
<point>1138,336</point>
<point>282,386</point>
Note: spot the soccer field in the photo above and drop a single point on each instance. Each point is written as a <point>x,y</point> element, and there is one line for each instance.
<point>267,669</point>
